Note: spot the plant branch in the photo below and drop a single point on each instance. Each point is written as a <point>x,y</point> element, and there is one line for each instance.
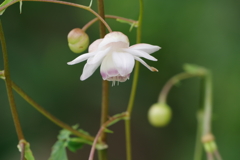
<point>101,131</point>
<point>107,16</point>
<point>47,114</point>
<point>174,80</point>
<point>64,3</point>
<point>9,87</point>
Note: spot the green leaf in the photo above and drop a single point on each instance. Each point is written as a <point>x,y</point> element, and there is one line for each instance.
<point>101,146</point>
<point>28,153</point>
<point>59,151</point>
<point>64,134</point>
<point>9,1</point>
<point>194,69</point>
<point>108,130</point>
<point>4,3</point>
<point>84,132</point>
<point>74,145</point>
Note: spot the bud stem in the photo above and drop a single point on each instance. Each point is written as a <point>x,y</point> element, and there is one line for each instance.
<point>174,80</point>
<point>64,3</point>
<point>108,16</point>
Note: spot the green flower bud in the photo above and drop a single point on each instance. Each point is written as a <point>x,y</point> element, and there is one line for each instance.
<point>159,114</point>
<point>78,40</point>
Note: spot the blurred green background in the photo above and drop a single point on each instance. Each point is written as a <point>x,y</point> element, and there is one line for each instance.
<point>199,32</point>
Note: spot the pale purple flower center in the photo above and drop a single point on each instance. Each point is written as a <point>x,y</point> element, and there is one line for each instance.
<point>113,75</point>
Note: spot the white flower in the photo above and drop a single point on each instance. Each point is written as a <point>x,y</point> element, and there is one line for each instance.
<point>115,56</point>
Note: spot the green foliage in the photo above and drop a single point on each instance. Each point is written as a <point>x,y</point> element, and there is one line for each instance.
<point>66,141</point>
<point>108,130</point>
<point>9,1</point>
<point>74,144</point>
<point>28,153</point>
<point>59,151</point>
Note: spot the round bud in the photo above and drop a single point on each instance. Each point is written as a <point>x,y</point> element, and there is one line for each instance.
<point>78,40</point>
<point>159,114</point>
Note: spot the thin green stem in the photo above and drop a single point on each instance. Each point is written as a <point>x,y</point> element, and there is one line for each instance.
<point>9,87</point>
<point>105,86</point>
<point>207,136</point>
<point>134,87</point>
<point>128,139</point>
<point>64,3</point>
<point>207,105</point>
<point>198,144</point>
<point>107,16</point>
<point>174,80</point>
<point>139,29</point>
<point>47,114</point>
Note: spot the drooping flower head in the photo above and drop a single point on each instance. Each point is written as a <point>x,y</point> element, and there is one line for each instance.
<point>115,56</point>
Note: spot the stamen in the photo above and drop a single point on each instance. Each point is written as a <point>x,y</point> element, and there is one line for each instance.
<point>113,83</point>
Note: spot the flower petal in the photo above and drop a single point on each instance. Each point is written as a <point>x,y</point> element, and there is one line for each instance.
<point>99,56</point>
<point>140,53</point>
<point>81,58</point>
<point>145,64</point>
<point>88,70</point>
<point>145,47</point>
<point>114,37</point>
<point>94,45</point>
<point>124,62</point>
<point>108,67</point>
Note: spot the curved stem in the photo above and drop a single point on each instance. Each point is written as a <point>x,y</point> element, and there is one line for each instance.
<point>134,87</point>
<point>107,16</point>
<point>9,87</point>
<point>181,76</point>
<point>47,114</point>
<point>65,3</point>
<point>101,131</point>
